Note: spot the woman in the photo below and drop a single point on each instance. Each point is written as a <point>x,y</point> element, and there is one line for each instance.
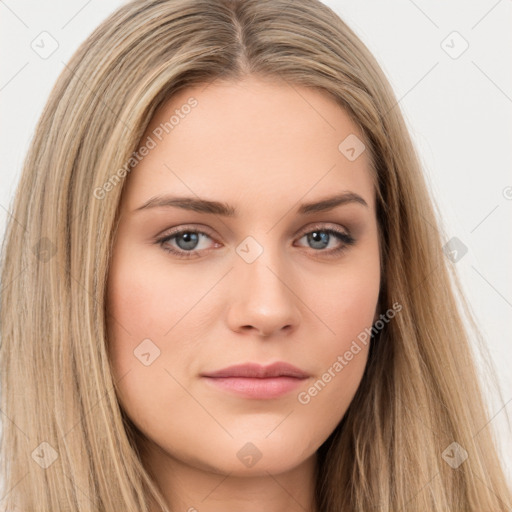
<point>224,285</point>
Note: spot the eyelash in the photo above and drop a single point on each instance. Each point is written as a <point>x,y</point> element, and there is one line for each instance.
<point>347,239</point>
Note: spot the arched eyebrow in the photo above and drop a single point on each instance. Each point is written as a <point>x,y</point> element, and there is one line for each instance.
<point>219,208</point>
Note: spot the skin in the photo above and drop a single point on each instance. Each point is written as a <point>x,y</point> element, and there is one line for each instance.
<point>264,148</point>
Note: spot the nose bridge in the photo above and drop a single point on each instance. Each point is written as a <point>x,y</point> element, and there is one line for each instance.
<point>262,290</point>
<point>261,274</point>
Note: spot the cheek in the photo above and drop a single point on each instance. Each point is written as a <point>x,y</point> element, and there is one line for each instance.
<point>155,314</point>
<point>144,301</point>
<point>142,309</point>
<point>345,301</point>
<point>347,307</point>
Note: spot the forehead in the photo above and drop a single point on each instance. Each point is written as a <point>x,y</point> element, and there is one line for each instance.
<point>249,142</point>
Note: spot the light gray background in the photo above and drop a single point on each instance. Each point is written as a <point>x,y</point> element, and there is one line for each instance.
<point>457,107</point>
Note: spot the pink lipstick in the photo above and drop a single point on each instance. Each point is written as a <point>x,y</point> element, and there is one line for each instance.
<point>253,380</point>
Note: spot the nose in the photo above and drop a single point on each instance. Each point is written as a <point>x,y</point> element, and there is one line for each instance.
<point>264,297</point>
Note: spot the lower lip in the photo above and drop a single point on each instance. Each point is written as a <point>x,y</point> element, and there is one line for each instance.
<point>262,389</point>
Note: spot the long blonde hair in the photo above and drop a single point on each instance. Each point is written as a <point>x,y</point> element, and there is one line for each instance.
<point>66,444</point>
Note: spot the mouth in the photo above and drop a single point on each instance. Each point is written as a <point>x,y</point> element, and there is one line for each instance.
<point>255,381</point>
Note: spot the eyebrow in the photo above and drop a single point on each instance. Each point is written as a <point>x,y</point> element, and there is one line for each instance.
<point>224,209</point>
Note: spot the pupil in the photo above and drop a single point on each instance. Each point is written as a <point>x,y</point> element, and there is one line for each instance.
<point>190,240</point>
<point>319,239</point>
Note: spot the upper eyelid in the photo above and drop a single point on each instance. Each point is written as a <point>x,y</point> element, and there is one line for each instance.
<point>203,230</point>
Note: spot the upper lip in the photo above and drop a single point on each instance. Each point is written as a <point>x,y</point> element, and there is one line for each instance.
<point>255,370</point>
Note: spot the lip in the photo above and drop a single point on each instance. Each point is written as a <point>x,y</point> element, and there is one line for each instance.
<point>253,380</point>
<point>255,370</point>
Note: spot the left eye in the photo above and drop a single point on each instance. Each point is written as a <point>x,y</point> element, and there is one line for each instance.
<point>188,240</point>
<point>185,242</point>
<point>320,238</point>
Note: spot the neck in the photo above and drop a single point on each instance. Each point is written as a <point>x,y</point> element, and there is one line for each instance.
<point>192,487</point>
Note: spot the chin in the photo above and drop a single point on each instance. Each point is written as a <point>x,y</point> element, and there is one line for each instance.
<point>257,456</point>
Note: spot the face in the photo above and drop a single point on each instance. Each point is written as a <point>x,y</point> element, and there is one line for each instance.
<point>227,253</point>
